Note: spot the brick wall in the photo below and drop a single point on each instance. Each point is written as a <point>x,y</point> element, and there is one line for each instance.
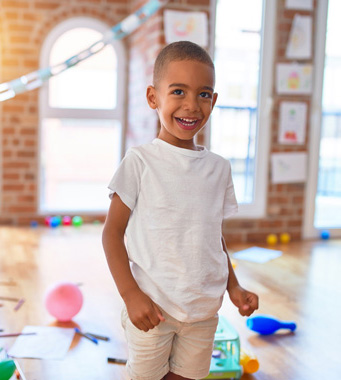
<point>144,46</point>
<point>25,25</point>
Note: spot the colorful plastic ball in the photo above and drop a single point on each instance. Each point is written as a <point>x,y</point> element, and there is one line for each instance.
<point>325,235</point>
<point>67,221</point>
<point>54,221</point>
<point>7,368</point>
<point>77,221</point>
<point>47,221</point>
<point>63,300</point>
<point>284,238</point>
<point>59,218</point>
<point>34,224</point>
<point>271,239</point>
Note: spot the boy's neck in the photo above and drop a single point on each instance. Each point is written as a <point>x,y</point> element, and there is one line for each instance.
<point>185,144</point>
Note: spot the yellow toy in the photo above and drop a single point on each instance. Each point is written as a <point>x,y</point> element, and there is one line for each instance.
<point>271,239</point>
<point>248,361</point>
<point>285,238</point>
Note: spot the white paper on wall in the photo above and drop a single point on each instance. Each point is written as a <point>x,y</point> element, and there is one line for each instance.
<point>189,26</point>
<point>299,44</point>
<point>289,167</point>
<point>292,122</point>
<point>294,78</point>
<point>299,4</point>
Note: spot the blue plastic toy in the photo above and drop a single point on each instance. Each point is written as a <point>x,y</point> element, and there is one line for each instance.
<point>266,324</point>
<point>325,235</point>
<point>226,353</point>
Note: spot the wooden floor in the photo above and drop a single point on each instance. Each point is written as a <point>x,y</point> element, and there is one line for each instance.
<point>303,285</point>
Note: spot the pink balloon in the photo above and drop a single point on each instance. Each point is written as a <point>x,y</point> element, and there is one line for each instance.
<point>63,300</point>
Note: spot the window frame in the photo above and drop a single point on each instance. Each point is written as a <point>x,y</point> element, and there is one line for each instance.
<point>45,111</point>
<point>257,208</point>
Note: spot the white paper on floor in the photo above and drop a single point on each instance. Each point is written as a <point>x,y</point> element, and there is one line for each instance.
<point>48,343</point>
<point>257,254</point>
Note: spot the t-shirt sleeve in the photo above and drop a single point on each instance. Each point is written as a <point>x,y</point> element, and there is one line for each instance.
<point>126,180</point>
<point>230,202</point>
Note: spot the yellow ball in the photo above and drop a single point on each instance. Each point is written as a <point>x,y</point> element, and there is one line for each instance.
<point>285,238</point>
<point>271,239</point>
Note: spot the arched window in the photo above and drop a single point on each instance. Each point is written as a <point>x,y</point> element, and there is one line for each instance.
<point>81,119</point>
<point>241,118</point>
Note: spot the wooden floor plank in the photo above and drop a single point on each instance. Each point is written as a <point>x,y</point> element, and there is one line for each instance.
<point>303,285</point>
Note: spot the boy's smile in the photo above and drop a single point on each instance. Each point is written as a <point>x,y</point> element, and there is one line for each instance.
<point>184,99</point>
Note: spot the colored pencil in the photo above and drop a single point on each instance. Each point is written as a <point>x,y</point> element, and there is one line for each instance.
<point>94,340</point>
<point>16,334</point>
<point>19,304</point>
<point>117,361</point>
<point>100,337</point>
<point>10,299</point>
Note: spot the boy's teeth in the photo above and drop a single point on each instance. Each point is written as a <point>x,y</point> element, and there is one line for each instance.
<point>187,121</point>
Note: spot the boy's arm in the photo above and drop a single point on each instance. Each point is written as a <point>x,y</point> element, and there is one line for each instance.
<point>142,311</point>
<point>245,301</point>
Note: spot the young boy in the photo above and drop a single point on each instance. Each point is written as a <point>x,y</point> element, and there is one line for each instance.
<point>169,198</point>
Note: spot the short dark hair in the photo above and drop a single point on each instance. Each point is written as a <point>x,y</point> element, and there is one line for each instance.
<point>179,51</point>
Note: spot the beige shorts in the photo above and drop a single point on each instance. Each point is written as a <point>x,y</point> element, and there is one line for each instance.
<point>182,348</point>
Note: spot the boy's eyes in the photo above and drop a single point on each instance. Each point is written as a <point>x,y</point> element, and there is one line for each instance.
<point>203,94</point>
<point>206,94</point>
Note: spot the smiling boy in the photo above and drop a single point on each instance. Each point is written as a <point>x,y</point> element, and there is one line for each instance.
<point>169,198</point>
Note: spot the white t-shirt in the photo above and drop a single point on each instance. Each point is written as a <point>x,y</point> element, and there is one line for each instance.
<point>178,199</point>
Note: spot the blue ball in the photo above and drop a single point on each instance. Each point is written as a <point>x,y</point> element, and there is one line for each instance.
<point>34,223</point>
<point>54,222</point>
<point>325,235</point>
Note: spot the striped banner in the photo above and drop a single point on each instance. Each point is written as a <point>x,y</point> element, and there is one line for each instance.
<point>35,79</point>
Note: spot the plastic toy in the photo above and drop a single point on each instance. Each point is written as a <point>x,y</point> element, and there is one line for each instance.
<point>248,361</point>
<point>54,221</point>
<point>77,221</point>
<point>285,238</point>
<point>226,353</point>
<point>325,235</point>
<point>271,239</point>
<point>63,300</point>
<point>47,221</point>
<point>34,224</point>
<point>7,368</point>
<point>67,221</point>
<point>266,324</point>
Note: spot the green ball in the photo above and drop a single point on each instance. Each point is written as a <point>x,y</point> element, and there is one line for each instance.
<point>59,219</point>
<point>77,221</point>
<point>7,368</point>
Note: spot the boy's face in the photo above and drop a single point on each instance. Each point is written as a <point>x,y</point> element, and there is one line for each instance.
<point>184,99</point>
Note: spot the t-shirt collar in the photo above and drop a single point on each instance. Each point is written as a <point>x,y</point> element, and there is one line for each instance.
<point>187,152</point>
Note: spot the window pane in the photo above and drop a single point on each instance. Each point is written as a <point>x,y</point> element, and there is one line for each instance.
<point>78,156</point>
<point>328,197</point>
<point>89,85</point>
<point>234,119</point>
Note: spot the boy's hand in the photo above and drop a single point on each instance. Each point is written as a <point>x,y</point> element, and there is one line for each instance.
<point>245,301</point>
<point>142,311</point>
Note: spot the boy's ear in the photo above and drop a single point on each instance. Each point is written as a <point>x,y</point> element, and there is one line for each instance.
<point>215,97</point>
<point>151,97</point>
